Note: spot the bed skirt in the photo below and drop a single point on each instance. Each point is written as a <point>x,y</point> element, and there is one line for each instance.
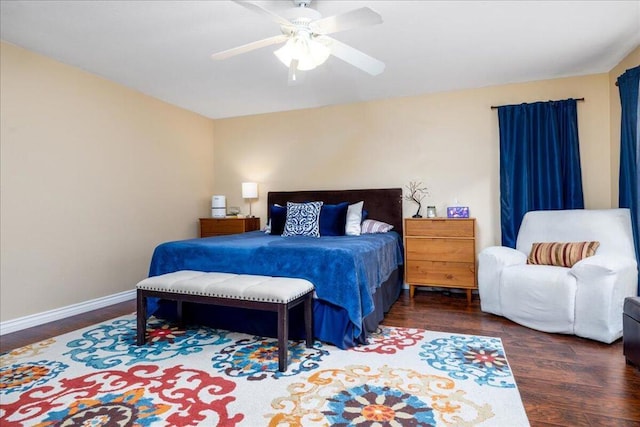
<point>330,323</point>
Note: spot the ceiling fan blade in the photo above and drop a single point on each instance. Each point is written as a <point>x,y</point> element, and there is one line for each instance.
<point>346,21</point>
<point>355,57</point>
<point>265,12</point>
<point>249,47</point>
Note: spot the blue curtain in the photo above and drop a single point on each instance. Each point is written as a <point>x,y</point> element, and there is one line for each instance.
<point>539,161</point>
<point>628,85</point>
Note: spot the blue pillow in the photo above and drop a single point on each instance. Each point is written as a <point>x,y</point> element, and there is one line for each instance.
<point>333,219</point>
<point>278,216</point>
<point>303,219</point>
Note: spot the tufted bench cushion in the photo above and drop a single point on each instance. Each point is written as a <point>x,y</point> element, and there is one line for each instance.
<point>227,285</point>
<point>235,290</point>
<point>631,330</point>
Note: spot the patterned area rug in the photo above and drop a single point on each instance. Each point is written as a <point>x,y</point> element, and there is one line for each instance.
<point>97,376</point>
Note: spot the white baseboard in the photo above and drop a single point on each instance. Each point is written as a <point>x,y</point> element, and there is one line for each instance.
<point>37,319</point>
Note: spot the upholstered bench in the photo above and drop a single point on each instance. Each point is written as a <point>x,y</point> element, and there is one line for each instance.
<point>631,330</point>
<point>234,290</point>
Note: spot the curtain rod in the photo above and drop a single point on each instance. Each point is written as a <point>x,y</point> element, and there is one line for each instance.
<point>494,107</point>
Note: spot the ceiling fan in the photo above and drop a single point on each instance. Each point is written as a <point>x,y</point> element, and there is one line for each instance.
<point>307,44</point>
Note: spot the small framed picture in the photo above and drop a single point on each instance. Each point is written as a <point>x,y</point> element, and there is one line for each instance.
<point>458,212</point>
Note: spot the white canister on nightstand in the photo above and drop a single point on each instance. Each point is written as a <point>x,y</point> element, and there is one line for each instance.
<point>218,207</point>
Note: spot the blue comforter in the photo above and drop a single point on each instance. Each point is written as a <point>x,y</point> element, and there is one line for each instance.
<point>346,270</point>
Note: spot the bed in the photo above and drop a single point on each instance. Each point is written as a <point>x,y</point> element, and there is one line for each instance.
<point>357,278</point>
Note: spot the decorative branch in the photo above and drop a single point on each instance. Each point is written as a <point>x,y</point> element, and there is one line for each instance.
<point>417,193</point>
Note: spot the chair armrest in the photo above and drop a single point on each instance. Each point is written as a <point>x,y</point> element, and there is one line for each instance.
<point>598,265</point>
<point>503,256</point>
<point>602,284</point>
<point>491,262</point>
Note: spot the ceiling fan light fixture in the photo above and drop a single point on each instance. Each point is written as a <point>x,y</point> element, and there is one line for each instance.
<point>305,34</point>
<point>309,52</point>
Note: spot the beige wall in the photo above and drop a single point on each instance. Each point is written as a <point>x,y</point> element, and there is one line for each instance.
<point>93,177</point>
<point>449,141</point>
<point>632,60</point>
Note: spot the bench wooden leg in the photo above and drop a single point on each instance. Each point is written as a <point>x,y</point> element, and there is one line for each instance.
<point>308,319</point>
<point>283,337</point>
<point>141,316</point>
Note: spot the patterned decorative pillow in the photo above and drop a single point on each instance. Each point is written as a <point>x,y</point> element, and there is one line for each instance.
<point>561,254</point>
<point>303,219</point>
<point>370,226</point>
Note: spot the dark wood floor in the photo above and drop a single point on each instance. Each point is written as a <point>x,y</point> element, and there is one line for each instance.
<point>563,380</point>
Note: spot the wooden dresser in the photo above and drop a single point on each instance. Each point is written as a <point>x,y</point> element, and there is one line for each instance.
<point>440,252</point>
<point>220,226</point>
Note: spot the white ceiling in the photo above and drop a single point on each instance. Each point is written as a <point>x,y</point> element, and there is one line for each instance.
<point>163,48</point>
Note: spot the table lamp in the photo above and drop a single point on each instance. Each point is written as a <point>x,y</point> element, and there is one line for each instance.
<point>250,191</point>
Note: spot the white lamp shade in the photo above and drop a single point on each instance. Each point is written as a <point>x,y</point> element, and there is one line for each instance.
<point>249,190</point>
<point>307,50</point>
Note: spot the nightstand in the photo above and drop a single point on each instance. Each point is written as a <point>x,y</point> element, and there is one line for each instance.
<point>221,226</point>
<point>440,252</point>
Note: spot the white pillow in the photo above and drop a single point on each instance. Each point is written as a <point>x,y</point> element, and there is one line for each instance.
<point>371,226</point>
<point>354,219</point>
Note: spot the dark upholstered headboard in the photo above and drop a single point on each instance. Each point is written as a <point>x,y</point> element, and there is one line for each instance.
<point>383,204</point>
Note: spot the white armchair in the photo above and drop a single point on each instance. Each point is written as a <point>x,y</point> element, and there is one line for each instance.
<point>584,300</point>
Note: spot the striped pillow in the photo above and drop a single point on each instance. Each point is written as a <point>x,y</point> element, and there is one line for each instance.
<point>561,254</point>
<point>370,226</point>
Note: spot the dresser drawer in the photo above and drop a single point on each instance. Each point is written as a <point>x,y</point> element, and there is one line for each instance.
<point>461,250</point>
<point>222,226</point>
<point>454,274</point>
<point>440,228</point>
